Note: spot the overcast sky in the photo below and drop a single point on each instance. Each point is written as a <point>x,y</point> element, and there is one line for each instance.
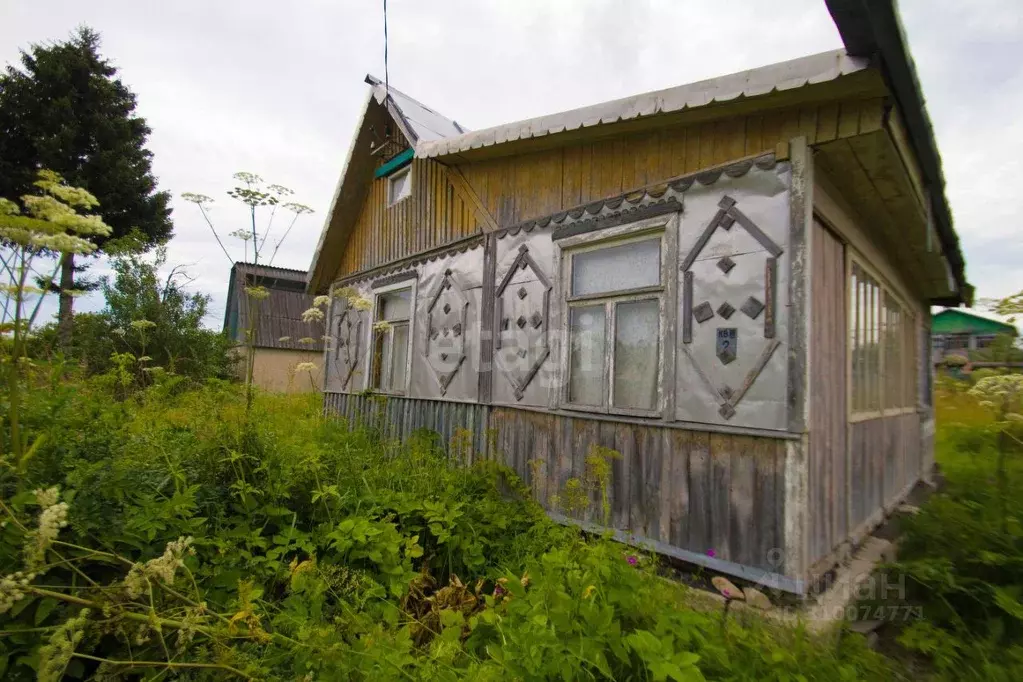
<point>274,88</point>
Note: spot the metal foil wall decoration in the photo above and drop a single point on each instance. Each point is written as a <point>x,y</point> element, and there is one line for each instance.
<point>347,336</point>
<point>446,319</point>
<point>522,317</point>
<point>728,217</point>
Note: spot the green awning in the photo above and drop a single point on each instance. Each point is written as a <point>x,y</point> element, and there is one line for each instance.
<point>400,161</point>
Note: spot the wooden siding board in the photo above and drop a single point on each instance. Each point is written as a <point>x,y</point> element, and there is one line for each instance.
<point>621,471</point>
<point>679,490</point>
<point>699,493</point>
<point>720,504</point>
<point>742,481</point>
<point>767,501</point>
<point>828,394</point>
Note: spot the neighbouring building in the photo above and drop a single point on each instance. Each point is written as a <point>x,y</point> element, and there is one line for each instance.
<point>281,340</point>
<point>955,331</point>
<point>729,283</point>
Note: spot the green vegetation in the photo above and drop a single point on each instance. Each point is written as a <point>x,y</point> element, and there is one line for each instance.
<point>962,555</point>
<point>287,546</point>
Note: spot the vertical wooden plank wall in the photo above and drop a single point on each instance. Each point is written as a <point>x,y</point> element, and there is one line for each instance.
<point>687,489</point>
<point>829,493</point>
<point>518,187</point>
<point>885,458</point>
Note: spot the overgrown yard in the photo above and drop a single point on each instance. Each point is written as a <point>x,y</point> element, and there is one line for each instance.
<point>166,534</point>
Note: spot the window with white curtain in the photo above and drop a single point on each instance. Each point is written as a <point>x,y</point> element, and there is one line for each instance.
<point>615,298</point>
<point>391,337</point>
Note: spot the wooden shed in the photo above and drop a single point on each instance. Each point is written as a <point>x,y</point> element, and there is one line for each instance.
<point>726,282</point>
<point>281,340</point>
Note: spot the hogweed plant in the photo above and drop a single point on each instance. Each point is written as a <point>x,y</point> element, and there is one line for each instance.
<point>33,239</point>
<point>1002,395</point>
<point>262,202</point>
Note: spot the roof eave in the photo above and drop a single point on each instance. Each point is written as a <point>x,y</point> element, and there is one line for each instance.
<point>871,28</point>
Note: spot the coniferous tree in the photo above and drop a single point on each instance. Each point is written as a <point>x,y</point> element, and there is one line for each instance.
<point>65,109</point>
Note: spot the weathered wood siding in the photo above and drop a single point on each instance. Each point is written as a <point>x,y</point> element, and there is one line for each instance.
<point>433,215</point>
<point>400,417</point>
<point>690,490</point>
<point>828,498</point>
<point>518,187</point>
<point>884,457</point>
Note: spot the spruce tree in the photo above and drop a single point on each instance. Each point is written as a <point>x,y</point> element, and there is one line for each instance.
<point>65,110</point>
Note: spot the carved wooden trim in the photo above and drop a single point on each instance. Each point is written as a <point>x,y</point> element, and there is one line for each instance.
<point>630,215</point>
<point>395,279</point>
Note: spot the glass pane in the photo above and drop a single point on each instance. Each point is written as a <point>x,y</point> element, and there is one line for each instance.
<point>399,357</point>
<point>586,361</point>
<point>637,330</point>
<point>400,186</point>
<point>626,266</point>
<point>381,360</point>
<point>394,305</point>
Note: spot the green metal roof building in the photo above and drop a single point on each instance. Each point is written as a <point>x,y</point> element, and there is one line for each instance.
<point>955,330</point>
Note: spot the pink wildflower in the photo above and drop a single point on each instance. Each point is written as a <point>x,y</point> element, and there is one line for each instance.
<point>632,560</point>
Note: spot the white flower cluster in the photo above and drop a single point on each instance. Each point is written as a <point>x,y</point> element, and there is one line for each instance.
<point>193,619</point>
<point>998,391</point>
<point>321,301</point>
<point>163,567</point>
<point>47,498</point>
<point>305,367</point>
<point>54,657</point>
<point>257,293</point>
<point>12,589</point>
<point>312,315</point>
<point>52,518</point>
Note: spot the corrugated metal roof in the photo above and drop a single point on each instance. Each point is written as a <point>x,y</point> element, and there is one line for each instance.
<point>280,315</point>
<point>818,68</point>
<point>425,124</point>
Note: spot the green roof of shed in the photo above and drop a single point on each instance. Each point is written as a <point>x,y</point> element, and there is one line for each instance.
<point>953,321</point>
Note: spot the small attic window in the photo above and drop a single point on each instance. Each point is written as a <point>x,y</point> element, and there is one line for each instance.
<point>399,185</point>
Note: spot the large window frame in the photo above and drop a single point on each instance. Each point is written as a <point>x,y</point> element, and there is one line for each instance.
<point>375,373</point>
<point>882,380</point>
<point>663,229</point>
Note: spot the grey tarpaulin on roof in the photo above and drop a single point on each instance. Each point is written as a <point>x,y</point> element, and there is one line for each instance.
<point>424,123</point>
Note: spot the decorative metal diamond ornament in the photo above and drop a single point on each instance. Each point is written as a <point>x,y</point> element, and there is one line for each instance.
<point>752,307</point>
<point>726,264</point>
<point>725,310</point>
<point>703,312</point>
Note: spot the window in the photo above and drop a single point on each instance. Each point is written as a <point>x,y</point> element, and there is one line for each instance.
<point>399,185</point>
<point>882,348</point>
<point>615,299</point>
<point>390,359</point>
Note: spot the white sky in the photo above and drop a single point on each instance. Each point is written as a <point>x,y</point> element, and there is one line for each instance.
<point>275,88</point>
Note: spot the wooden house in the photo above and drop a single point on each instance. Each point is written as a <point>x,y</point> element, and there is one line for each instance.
<point>280,339</point>
<point>726,282</point>
<point>957,332</point>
